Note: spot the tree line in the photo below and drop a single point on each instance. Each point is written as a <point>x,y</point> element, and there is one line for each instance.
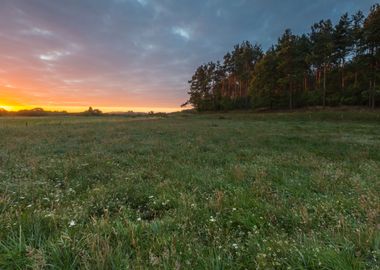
<point>41,112</point>
<point>331,65</point>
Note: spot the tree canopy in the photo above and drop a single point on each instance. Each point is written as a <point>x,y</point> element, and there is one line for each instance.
<point>331,65</point>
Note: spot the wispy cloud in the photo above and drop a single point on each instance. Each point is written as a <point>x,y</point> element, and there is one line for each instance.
<point>185,34</point>
<point>53,55</point>
<point>37,31</point>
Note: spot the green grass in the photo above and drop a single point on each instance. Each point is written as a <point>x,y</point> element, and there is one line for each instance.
<point>209,191</point>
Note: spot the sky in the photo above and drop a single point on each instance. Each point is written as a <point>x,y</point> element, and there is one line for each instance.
<point>120,55</point>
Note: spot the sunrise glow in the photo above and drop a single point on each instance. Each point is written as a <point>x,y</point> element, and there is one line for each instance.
<point>16,100</point>
<point>7,107</point>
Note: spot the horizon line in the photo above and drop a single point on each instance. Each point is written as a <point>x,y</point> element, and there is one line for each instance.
<point>78,109</point>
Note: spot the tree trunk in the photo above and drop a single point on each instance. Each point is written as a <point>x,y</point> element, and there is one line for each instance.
<point>324,86</point>
<point>373,93</point>
<point>305,83</point>
<point>374,84</point>
<point>270,100</point>
<point>291,97</point>
<point>370,94</point>
<point>316,78</point>
<point>372,88</point>
<point>356,79</point>
<point>342,74</point>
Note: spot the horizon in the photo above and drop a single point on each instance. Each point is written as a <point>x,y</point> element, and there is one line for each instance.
<point>137,55</point>
<point>78,109</point>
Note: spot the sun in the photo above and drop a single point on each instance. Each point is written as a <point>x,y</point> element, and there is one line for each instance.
<point>6,107</point>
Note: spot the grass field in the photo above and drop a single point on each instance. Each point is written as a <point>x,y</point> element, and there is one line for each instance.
<point>212,191</point>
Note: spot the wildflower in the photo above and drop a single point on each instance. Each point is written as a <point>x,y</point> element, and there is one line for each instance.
<point>235,246</point>
<point>151,197</point>
<point>234,209</point>
<point>139,219</point>
<point>29,205</point>
<point>212,219</point>
<point>72,223</point>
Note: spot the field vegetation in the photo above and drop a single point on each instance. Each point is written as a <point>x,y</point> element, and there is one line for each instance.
<point>191,191</point>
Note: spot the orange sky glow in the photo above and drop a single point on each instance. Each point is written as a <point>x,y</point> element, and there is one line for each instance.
<point>14,99</point>
<point>48,87</point>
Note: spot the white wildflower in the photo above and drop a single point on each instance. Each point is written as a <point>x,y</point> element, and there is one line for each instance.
<point>72,223</point>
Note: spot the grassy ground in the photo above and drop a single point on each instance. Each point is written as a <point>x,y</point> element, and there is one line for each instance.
<point>213,191</point>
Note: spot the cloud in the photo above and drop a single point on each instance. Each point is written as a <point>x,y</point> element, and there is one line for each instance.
<point>38,32</point>
<point>143,2</point>
<point>53,55</point>
<point>185,34</point>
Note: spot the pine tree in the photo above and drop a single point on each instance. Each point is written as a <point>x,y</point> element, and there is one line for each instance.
<point>322,51</point>
<point>371,35</point>
<point>343,42</point>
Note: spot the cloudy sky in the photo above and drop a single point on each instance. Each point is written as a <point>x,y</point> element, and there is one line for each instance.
<point>133,54</point>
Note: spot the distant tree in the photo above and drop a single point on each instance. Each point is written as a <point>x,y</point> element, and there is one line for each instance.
<point>322,51</point>
<point>200,89</point>
<point>33,112</point>
<point>92,112</point>
<point>371,36</point>
<point>264,84</point>
<point>3,112</point>
<point>358,45</point>
<point>343,42</point>
<point>292,66</point>
<point>239,66</point>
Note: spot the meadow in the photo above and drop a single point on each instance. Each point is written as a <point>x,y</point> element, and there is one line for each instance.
<point>191,191</point>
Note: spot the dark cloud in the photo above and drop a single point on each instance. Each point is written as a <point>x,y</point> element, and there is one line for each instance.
<point>142,51</point>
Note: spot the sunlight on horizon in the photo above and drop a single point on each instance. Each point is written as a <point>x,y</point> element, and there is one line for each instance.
<point>75,109</point>
<point>7,108</point>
